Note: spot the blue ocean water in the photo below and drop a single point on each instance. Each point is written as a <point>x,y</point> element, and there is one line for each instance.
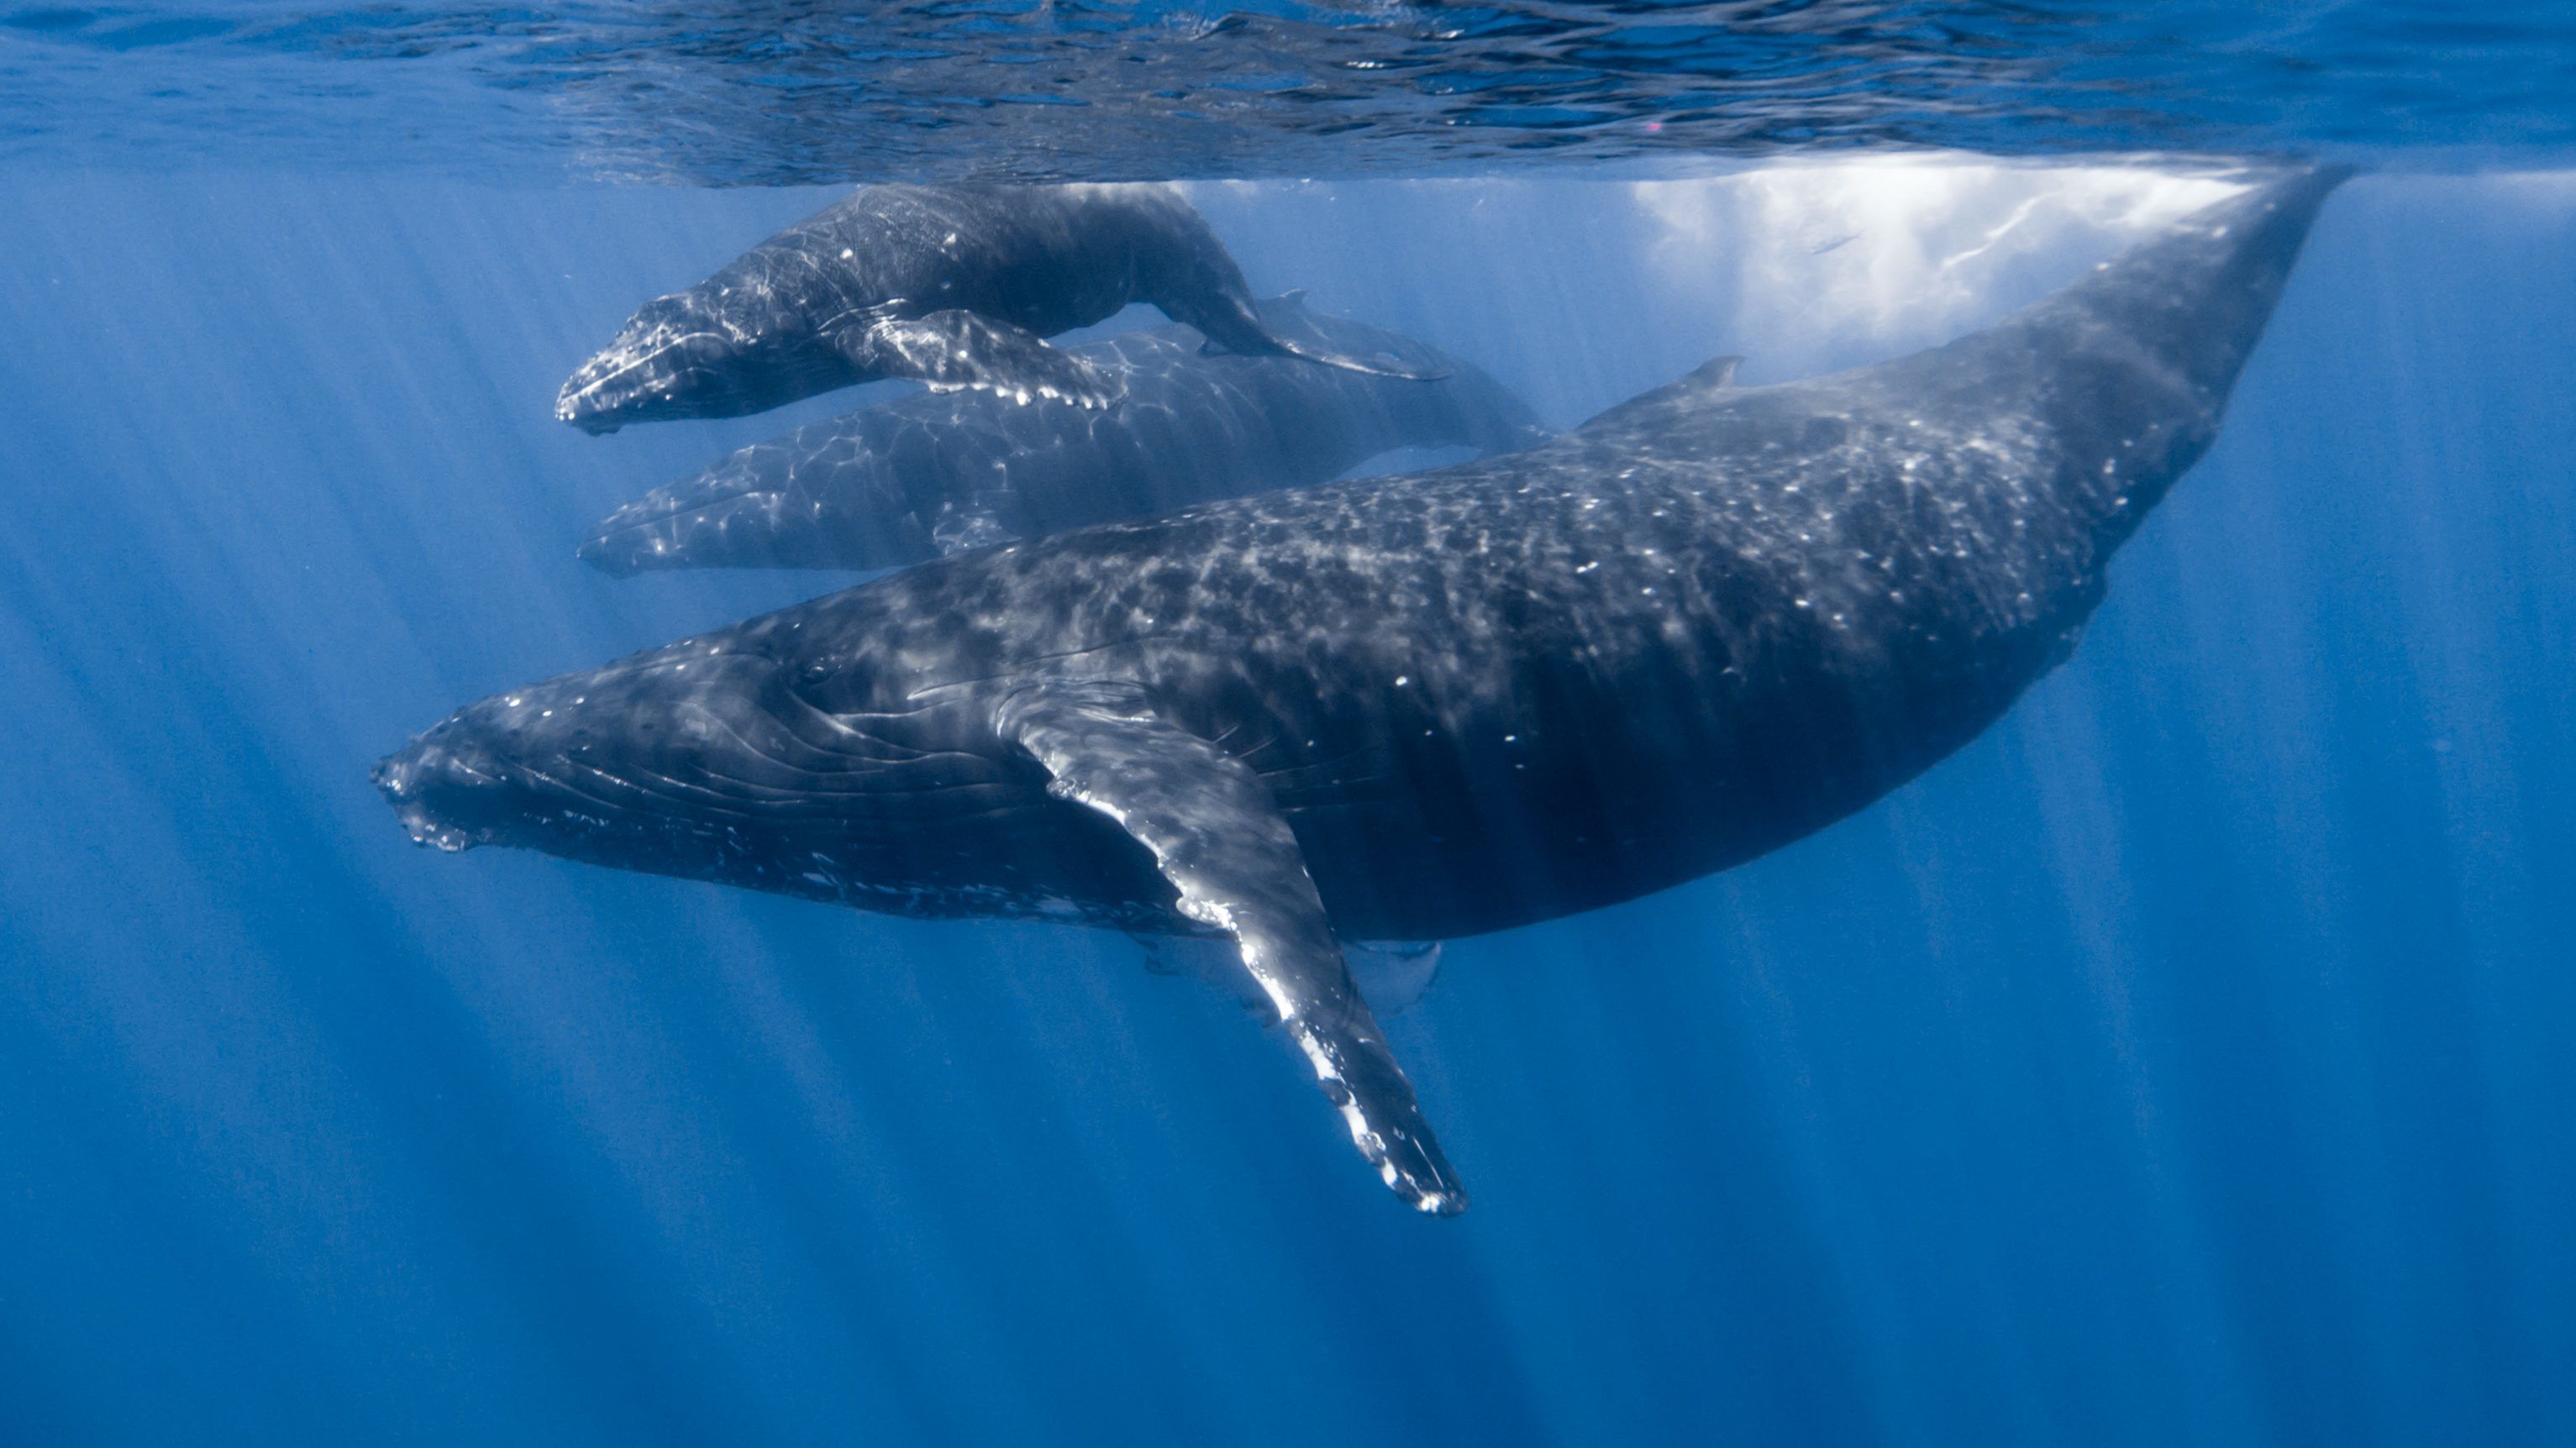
<point>2183,1062</point>
<point>770,94</point>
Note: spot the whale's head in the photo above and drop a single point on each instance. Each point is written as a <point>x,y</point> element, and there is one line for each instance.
<point>712,351</point>
<point>673,760</point>
<point>596,765</point>
<point>730,758</point>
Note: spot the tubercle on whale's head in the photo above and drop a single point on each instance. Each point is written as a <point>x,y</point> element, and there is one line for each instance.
<point>588,766</point>
<point>737,757</point>
<point>678,356</point>
<point>485,775</point>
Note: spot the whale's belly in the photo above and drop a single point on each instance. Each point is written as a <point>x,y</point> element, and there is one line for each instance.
<point>1635,784</point>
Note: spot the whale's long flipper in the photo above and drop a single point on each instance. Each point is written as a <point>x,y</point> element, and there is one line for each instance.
<point>1279,328</point>
<point>1220,840</point>
<point>959,348</point>
<point>1392,975</point>
<point>1375,367</point>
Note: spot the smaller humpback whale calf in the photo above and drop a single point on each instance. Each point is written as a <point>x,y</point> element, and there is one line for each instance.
<point>935,473</point>
<point>956,286</point>
<point>1709,622</point>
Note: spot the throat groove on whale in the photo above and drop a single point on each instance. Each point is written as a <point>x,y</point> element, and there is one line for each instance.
<point>1700,626</point>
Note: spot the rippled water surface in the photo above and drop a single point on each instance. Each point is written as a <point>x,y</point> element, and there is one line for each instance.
<point>764,94</point>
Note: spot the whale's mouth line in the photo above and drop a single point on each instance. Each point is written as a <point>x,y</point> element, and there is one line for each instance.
<point>588,392</point>
<point>429,834</point>
<point>425,828</point>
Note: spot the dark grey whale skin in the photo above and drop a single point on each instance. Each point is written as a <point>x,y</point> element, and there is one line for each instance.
<point>935,473</point>
<point>1705,624</point>
<point>955,285</point>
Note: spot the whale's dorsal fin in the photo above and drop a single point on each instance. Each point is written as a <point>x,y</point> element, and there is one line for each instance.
<point>958,348</point>
<point>1220,840</point>
<point>1715,372</point>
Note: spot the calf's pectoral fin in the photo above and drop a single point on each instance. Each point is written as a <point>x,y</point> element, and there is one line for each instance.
<point>1382,366</point>
<point>1239,328</point>
<point>1217,836</point>
<point>957,348</point>
<point>1255,343</point>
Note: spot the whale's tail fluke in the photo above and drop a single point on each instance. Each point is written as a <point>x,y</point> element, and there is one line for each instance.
<point>2130,368</point>
<point>2197,296</point>
<point>2202,293</point>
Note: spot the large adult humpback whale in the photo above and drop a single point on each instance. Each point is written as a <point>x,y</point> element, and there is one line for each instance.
<point>1705,624</point>
<point>955,285</point>
<point>935,473</point>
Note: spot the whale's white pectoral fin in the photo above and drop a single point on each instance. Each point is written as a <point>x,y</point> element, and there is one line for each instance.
<point>958,348</point>
<point>1217,836</point>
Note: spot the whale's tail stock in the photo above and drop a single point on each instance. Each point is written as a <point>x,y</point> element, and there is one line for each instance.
<point>2131,367</point>
<point>2202,293</point>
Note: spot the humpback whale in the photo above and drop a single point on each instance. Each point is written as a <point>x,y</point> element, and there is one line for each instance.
<point>957,286</point>
<point>935,473</point>
<point>1705,624</point>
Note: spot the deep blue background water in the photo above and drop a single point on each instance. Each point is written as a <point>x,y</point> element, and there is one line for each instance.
<point>2186,1061</point>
